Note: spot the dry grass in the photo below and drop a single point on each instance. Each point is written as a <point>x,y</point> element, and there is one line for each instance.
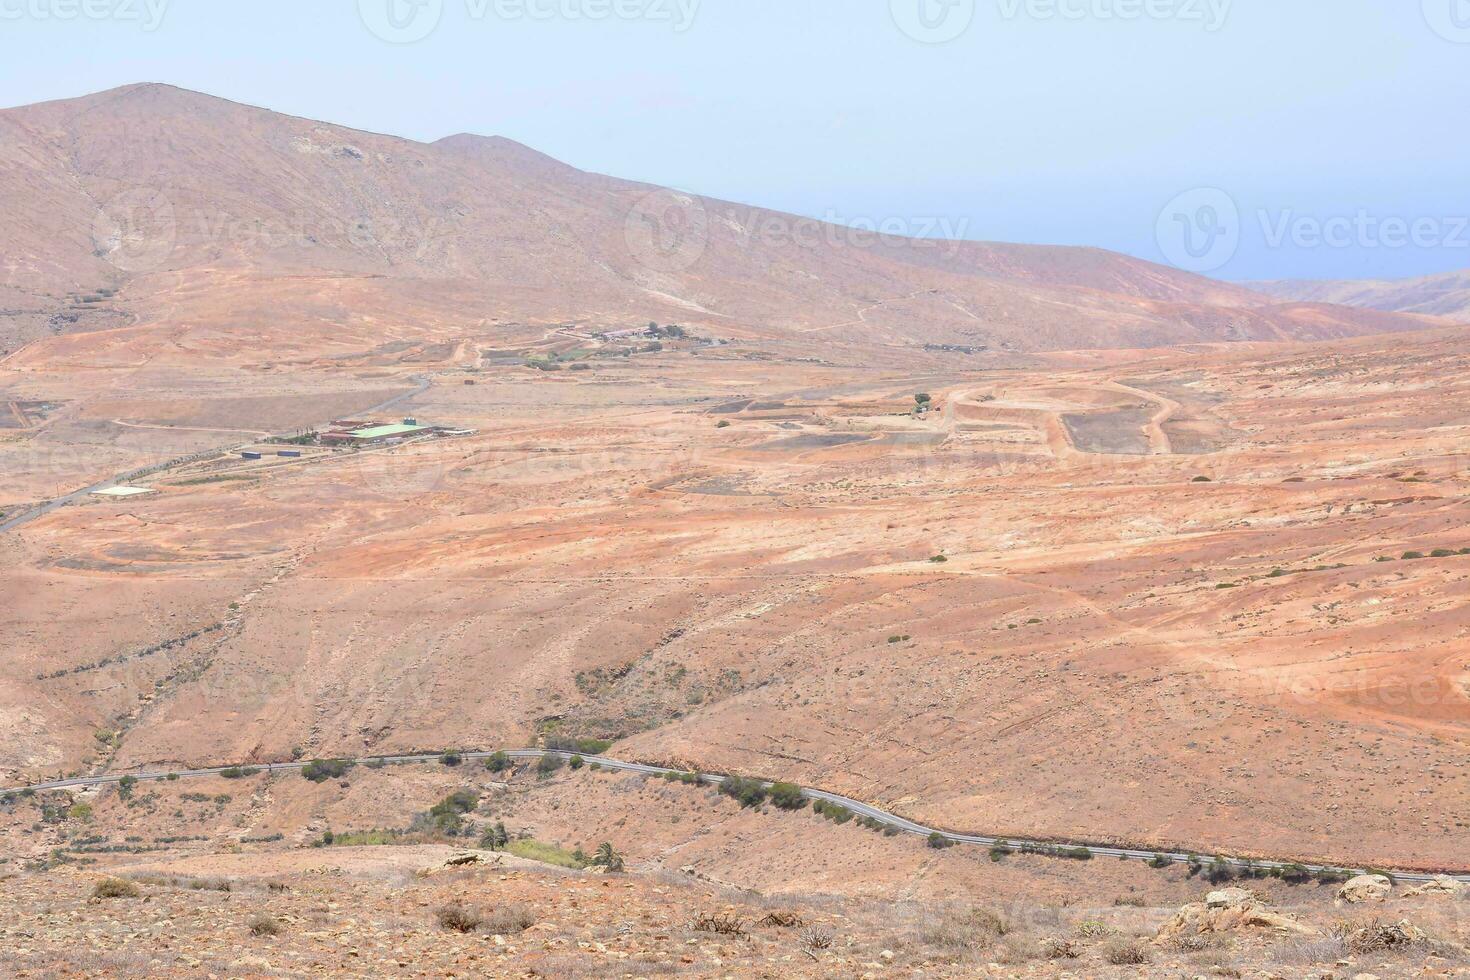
<point>115,888</point>
<point>457,917</point>
<point>264,924</point>
<point>1127,952</point>
<point>509,919</point>
<point>974,928</point>
<point>1060,948</point>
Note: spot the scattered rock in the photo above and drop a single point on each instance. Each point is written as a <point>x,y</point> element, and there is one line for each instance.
<point>1229,910</point>
<point>1441,886</point>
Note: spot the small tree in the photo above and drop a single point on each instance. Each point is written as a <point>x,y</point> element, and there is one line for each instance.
<point>548,764</point>
<point>608,858</point>
<point>125,786</point>
<point>496,838</point>
<point>576,762</point>
<point>939,842</point>
<point>499,762</point>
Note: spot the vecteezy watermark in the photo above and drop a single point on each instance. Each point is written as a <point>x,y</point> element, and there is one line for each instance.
<point>834,229</point>
<point>1363,230</point>
<point>407,21</point>
<point>1202,230</point>
<point>667,231</point>
<point>137,230</point>
<point>1210,14</point>
<point>1199,231</point>
<point>147,14</point>
<point>933,21</point>
<point>1450,19</point>
<point>140,229</point>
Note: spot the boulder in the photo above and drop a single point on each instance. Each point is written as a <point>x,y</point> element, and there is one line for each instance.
<point>1365,888</point>
<point>1229,910</point>
<point>1441,886</point>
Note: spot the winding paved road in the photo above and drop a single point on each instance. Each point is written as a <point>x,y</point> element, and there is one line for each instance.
<point>859,808</point>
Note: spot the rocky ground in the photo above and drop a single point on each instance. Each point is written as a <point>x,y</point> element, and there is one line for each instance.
<point>405,912</point>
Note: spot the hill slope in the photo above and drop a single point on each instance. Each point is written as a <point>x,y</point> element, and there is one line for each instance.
<point>1445,295</point>
<point>119,190</point>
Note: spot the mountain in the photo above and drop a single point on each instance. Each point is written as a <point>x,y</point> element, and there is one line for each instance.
<point>1444,295</point>
<point>127,190</point>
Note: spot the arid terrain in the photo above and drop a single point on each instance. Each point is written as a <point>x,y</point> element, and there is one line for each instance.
<point>1028,542</point>
<point>1446,295</point>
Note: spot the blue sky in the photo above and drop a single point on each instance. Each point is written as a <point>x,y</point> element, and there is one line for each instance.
<point>1330,126</point>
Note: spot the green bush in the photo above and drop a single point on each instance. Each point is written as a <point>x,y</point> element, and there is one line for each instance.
<point>939,842</point>
<point>1412,555</point>
<point>576,762</point>
<point>548,764</point>
<point>787,796</point>
<point>748,792</point>
<point>321,770</point>
<point>451,759</point>
<point>499,762</point>
<point>583,746</point>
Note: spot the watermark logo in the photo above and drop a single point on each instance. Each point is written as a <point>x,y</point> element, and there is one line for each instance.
<point>933,21</point>
<point>1450,19</point>
<point>401,21</point>
<point>1363,230</point>
<point>1199,231</point>
<point>146,14</point>
<point>137,230</point>
<point>1209,14</point>
<point>667,232</point>
<point>409,21</point>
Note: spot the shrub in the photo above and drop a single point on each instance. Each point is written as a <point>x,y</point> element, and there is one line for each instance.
<point>547,765</point>
<point>584,746</point>
<point>720,925</point>
<point>509,919</point>
<point>1412,555</point>
<point>939,559</point>
<point>1201,479</point>
<point>499,762</point>
<point>451,759</point>
<point>125,786</point>
<point>321,770</point>
<point>115,888</point>
<point>1127,952</point>
<point>263,925</point>
<point>835,812</point>
<point>787,796</point>
<point>939,842</point>
<point>457,917</point>
<point>238,772</point>
<point>1441,553</point>
<point>747,792</point>
<point>1159,861</point>
<point>970,928</point>
<point>576,762</point>
<point>1058,948</point>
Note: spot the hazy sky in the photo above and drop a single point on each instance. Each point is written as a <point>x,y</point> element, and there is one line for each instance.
<point>1336,129</point>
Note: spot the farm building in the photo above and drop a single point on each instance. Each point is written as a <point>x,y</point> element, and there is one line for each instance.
<point>375,434</point>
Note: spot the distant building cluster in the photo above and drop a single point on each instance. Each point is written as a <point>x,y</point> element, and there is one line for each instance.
<point>370,432</point>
